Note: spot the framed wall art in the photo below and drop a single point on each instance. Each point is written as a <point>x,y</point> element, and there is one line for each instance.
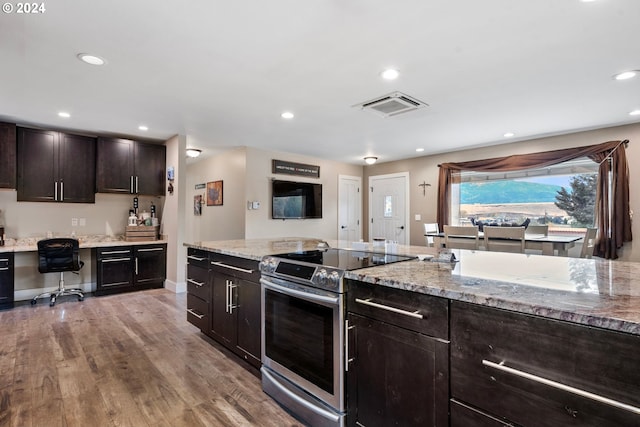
<point>214,193</point>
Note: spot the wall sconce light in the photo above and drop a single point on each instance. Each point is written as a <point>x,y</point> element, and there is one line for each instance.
<point>370,160</point>
<point>193,152</point>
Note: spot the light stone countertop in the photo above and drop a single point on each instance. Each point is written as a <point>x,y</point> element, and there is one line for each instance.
<point>592,292</point>
<point>30,244</point>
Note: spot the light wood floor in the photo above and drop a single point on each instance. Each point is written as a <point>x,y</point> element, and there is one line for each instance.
<point>124,360</point>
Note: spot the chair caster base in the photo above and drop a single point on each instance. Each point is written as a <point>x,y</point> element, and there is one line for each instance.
<point>34,301</point>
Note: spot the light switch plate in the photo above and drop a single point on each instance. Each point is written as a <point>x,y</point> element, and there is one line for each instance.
<point>418,217</point>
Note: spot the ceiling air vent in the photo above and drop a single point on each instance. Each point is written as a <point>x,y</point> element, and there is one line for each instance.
<point>392,104</point>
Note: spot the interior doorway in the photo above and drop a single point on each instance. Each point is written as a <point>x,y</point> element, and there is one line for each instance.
<point>349,208</point>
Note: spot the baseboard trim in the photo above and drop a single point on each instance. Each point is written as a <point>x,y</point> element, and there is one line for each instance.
<point>178,288</point>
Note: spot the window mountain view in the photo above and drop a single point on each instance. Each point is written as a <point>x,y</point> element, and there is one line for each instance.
<point>542,200</point>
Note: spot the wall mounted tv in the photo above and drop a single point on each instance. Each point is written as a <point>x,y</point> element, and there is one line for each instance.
<point>295,200</point>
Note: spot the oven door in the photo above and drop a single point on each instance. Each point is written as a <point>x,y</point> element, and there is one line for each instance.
<point>302,337</point>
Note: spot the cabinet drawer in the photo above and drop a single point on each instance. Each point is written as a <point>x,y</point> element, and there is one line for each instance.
<point>198,312</point>
<point>198,283</point>
<point>235,266</point>
<point>417,312</point>
<point>522,368</point>
<point>198,257</point>
<point>114,252</point>
<point>464,416</point>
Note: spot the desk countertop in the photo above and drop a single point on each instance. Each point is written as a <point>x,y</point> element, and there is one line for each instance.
<point>94,241</point>
<point>593,292</point>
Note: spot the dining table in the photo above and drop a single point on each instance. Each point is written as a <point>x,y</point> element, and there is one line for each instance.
<point>549,245</point>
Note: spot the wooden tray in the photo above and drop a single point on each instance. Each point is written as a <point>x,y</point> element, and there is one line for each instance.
<point>141,233</point>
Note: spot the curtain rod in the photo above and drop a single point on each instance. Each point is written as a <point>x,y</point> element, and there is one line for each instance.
<point>626,144</point>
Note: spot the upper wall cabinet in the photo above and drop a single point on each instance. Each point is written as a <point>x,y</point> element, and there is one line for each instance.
<point>55,167</point>
<point>7,155</point>
<point>130,167</point>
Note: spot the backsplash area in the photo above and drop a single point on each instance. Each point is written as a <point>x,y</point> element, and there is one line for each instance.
<point>108,216</point>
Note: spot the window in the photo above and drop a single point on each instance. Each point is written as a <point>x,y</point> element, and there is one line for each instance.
<point>561,196</point>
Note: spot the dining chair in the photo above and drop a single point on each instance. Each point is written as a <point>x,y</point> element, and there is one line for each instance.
<point>588,243</point>
<point>430,228</point>
<point>538,229</point>
<point>461,237</point>
<point>504,239</point>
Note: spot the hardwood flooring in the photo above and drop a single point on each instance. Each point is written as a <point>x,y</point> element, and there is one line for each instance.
<point>123,360</point>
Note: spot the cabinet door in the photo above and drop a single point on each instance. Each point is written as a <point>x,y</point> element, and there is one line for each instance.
<point>77,169</point>
<point>114,165</point>
<point>37,165</point>
<point>249,309</point>
<point>223,318</point>
<point>7,155</point>
<point>150,270</point>
<point>115,270</point>
<point>150,169</point>
<point>397,377</point>
<point>6,280</point>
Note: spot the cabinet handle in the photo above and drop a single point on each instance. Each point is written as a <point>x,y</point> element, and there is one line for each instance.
<point>61,191</point>
<point>501,367</point>
<point>55,191</point>
<point>195,257</point>
<point>115,252</point>
<point>4,268</point>
<point>232,286</point>
<point>150,249</point>
<point>232,267</point>
<point>348,360</point>
<point>131,184</point>
<point>115,259</point>
<point>198,284</point>
<point>4,259</point>
<point>199,316</point>
<point>136,185</point>
<point>226,296</point>
<point>136,266</point>
<point>416,314</point>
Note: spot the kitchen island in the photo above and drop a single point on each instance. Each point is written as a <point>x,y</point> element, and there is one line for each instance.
<point>533,340</point>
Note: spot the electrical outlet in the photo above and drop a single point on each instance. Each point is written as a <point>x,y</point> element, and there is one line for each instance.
<point>74,222</point>
<point>418,217</point>
<point>83,222</point>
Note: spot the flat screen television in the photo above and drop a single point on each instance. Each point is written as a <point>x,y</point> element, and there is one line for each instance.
<point>295,200</point>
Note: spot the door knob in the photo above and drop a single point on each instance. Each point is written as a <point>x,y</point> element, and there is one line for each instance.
<point>401,227</point>
<point>343,226</point>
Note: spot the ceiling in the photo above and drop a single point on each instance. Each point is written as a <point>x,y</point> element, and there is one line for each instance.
<point>222,72</point>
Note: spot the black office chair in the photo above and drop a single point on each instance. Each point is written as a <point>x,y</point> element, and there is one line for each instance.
<point>59,255</point>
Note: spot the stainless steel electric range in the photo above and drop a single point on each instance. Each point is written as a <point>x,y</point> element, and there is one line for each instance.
<point>303,313</point>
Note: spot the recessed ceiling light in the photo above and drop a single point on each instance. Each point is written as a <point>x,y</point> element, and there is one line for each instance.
<point>626,75</point>
<point>143,127</point>
<point>287,115</point>
<point>419,150</point>
<point>390,74</point>
<point>635,113</point>
<point>91,59</point>
<point>509,134</point>
<point>64,114</point>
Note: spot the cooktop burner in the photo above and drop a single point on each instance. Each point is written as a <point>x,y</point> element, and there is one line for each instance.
<point>343,259</point>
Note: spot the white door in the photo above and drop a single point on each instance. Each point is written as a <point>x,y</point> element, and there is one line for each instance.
<point>349,208</point>
<point>388,210</point>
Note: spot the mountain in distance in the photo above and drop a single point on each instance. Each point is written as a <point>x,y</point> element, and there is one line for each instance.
<point>493,192</point>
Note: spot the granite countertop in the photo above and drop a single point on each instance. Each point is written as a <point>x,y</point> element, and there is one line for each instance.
<point>593,292</point>
<point>30,244</point>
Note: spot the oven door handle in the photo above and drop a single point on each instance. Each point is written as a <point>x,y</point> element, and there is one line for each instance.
<point>293,292</point>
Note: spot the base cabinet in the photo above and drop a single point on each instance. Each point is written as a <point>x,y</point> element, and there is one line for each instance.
<point>532,371</point>
<point>6,280</point>
<point>129,268</point>
<point>397,375</point>
<point>198,289</point>
<point>235,305</point>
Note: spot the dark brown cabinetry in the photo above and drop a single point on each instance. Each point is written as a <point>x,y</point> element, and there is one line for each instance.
<point>55,167</point>
<point>397,351</point>
<point>6,280</point>
<point>198,289</point>
<point>7,155</point>
<point>235,305</point>
<point>130,167</point>
<point>527,370</point>
<point>129,268</point>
